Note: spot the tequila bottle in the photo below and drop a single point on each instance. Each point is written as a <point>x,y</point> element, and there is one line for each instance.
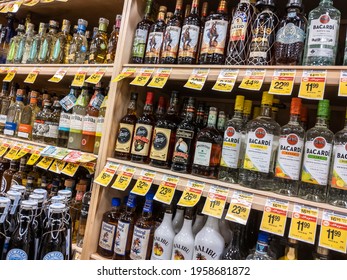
<point>289,154</point>
<point>4,104</point>
<point>79,45</point>
<point>98,46</point>
<point>52,125</point>
<point>57,52</point>
<point>48,40</point>
<point>36,43</point>
<point>24,45</point>
<point>316,163</point>
<point>322,34</point>
<point>7,32</point>
<point>14,44</point>
<point>14,115</point>
<point>113,41</point>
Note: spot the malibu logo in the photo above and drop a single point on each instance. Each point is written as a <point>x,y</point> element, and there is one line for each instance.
<point>319,142</point>
<point>260,133</point>
<point>292,139</point>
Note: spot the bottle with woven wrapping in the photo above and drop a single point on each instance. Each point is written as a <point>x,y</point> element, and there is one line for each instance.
<point>49,39</point>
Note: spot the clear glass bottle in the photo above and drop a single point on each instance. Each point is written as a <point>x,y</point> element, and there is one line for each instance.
<point>36,43</point>
<point>14,44</point>
<point>99,126</point>
<point>98,46</point>
<point>58,49</point>
<point>48,40</point>
<point>75,209</point>
<point>83,219</point>
<point>113,41</point>
<point>50,137</point>
<point>23,51</point>
<point>79,45</point>
<point>39,128</point>
<point>4,104</point>
<point>14,115</point>
<point>261,248</point>
<point>291,251</point>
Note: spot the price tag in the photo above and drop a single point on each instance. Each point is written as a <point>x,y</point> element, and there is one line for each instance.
<point>57,166</point>
<point>191,194</point>
<point>343,84</point>
<point>253,79</point>
<point>58,76</point>
<point>97,76</point>
<point>24,151</point>
<point>313,84</point>
<point>34,157</point>
<point>70,169</point>
<point>282,82</point>
<point>4,147</point>
<point>240,207</point>
<point>10,75</point>
<point>14,6</point>
<point>144,183</point>
<point>124,178</point>
<point>304,223</point>
<point>107,174</point>
<point>160,78</point>
<point>84,157</point>
<point>226,80</point>
<point>197,79</point>
<point>127,72</point>
<point>79,78</point>
<point>166,190</point>
<point>90,166</point>
<point>48,151</point>
<point>30,3</point>
<point>333,232</point>
<point>31,78</point>
<point>45,163</point>
<point>143,78</point>
<point>60,153</point>
<point>13,152</point>
<point>274,216</point>
<point>215,201</point>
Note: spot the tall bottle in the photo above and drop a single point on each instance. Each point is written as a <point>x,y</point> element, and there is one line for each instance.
<point>36,43</point>
<point>99,125</point>
<point>316,162</point>
<point>289,154</point>
<point>113,41</point>
<point>215,36</point>
<point>14,115</point>
<point>39,128</point>
<point>5,204</point>
<point>75,209</point>
<point>204,14</point>
<point>262,247</point>
<point>5,102</point>
<point>57,52</point>
<point>7,32</point>
<point>322,34</point>
<point>156,38</point>
<point>52,125</point>
<point>23,51</point>
<point>48,40</point>
<point>82,225</point>
<point>98,46</point>
<point>14,44</point>
<point>79,46</point>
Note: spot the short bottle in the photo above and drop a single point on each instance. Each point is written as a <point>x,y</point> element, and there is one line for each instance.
<point>261,249</point>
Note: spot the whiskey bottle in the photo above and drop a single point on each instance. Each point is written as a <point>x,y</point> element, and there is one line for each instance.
<point>99,125</point>
<point>126,131</point>
<point>14,115</point>
<point>208,148</point>
<point>48,40</point>
<point>79,45</point>
<point>98,46</point>
<point>36,44</point>
<point>52,125</point>
<point>215,36</point>
<point>58,49</point>
<point>156,38</point>
<point>113,41</point>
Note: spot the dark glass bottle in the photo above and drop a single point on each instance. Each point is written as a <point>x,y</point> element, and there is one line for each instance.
<point>12,220</point>
<point>7,176</point>
<point>200,115</point>
<point>4,209</point>
<point>160,112</point>
<point>234,251</point>
<point>4,165</point>
<point>204,15</point>
<point>7,32</point>
<point>38,219</point>
<point>20,177</point>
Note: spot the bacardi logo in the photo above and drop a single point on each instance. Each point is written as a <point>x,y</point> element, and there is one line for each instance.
<point>324,19</point>
<point>260,133</point>
<point>319,142</point>
<point>230,131</point>
<point>292,139</point>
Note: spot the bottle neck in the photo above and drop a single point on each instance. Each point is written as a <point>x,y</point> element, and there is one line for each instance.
<point>190,115</point>
<point>132,107</point>
<point>187,224</point>
<point>222,8</point>
<point>238,114</point>
<point>173,106</point>
<point>266,110</point>
<point>148,109</point>
<point>161,16</point>
<point>167,218</point>
<point>212,223</point>
<point>294,119</point>
<point>148,10</point>
<point>195,7</point>
<point>261,247</point>
<point>178,9</point>
<point>212,119</point>
<point>321,122</point>
<point>326,3</point>
<point>102,27</point>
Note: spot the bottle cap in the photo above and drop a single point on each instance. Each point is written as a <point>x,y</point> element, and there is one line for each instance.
<point>30,26</point>
<point>104,21</point>
<point>66,193</point>
<point>66,22</point>
<point>13,194</point>
<point>295,4</point>
<point>267,99</point>
<point>295,107</point>
<point>53,24</point>
<point>18,188</point>
<point>57,207</point>
<point>82,24</point>
<point>240,99</point>
<point>323,108</point>
<point>20,92</point>
<point>131,201</point>
<point>191,101</point>
<point>163,9</point>
<point>4,201</point>
<point>263,237</point>
<point>40,191</point>
<point>69,183</point>
<point>149,97</point>
<point>81,187</point>
<point>37,197</point>
<point>169,15</point>
<point>58,199</point>
<point>29,204</point>
<point>115,202</point>
<point>247,107</point>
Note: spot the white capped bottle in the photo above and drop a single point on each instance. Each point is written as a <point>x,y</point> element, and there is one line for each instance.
<point>177,221</point>
<point>199,223</point>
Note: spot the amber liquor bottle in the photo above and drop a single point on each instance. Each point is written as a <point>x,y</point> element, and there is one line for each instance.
<point>203,21</point>
<point>143,132</point>
<point>126,130</point>
<point>215,36</point>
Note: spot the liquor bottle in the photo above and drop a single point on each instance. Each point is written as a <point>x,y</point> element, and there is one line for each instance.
<point>83,219</point>
<point>14,115</point>
<point>156,38</point>
<point>200,116</point>
<point>289,154</point>
<point>57,52</point>
<point>187,10</point>
<point>164,135</point>
<point>230,160</point>
<point>321,254</point>
<point>263,34</point>
<point>184,143</point>
<point>178,219</point>
<point>183,243</point>
<point>79,45</point>
<point>163,238</point>
<point>76,123</point>
<point>291,251</point>
<point>39,127</point>
<point>25,44</point>
<point>125,230</point>
<point>208,148</point>
<point>322,35</point>
<point>275,109</point>
<point>316,162</point>
<point>256,112</point>
<point>99,125</point>
<point>7,32</point>
<point>48,41</point>
<point>113,41</point>
<point>141,35</point>
<point>204,14</point>
<point>303,117</point>
<point>290,37</point>
<point>36,44</point>
<point>240,33</point>
<point>98,46</point>
<point>4,165</point>
<point>75,209</point>
<point>143,132</point>
<point>5,102</point>
<point>171,41</point>
<point>126,130</point>
<point>261,249</point>
<point>51,122</point>
<point>142,239</point>
<point>215,36</point>
<point>221,122</point>
<point>262,133</point>
<point>20,177</point>
<point>108,229</point>
<point>247,110</point>
<point>160,112</point>
<point>5,204</point>
<point>234,250</point>
<point>12,217</point>
<point>14,44</point>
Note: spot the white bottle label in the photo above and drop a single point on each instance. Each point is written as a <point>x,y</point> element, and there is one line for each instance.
<point>64,122</point>
<point>52,130</point>
<point>3,119</point>
<point>89,125</point>
<point>214,38</point>
<point>107,236</point>
<point>189,41</point>
<point>339,176</point>
<point>202,153</point>
<point>139,243</point>
<point>54,256</point>
<point>154,43</point>
<point>16,254</point>
<point>121,238</point>
<point>76,123</point>
<point>203,252</point>
<point>231,148</point>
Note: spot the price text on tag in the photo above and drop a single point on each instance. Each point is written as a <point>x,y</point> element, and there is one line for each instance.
<point>215,202</point>
<point>253,80</point>
<point>192,194</point>
<point>70,169</point>
<point>197,79</point>
<point>313,84</point>
<point>144,183</point>
<point>239,207</point>
<point>10,75</point>
<point>226,80</point>
<point>166,190</point>
<point>35,155</point>
<point>304,223</point>
<point>57,166</point>
<point>4,147</point>
<point>13,151</point>
<point>45,163</point>
<point>31,78</point>
<point>79,78</point>
<point>127,72</point>
<point>160,78</point>
<point>97,76</point>
<point>143,78</point>
<point>58,76</point>
<point>124,178</point>
<point>343,83</point>
<point>25,150</point>
<point>107,174</point>
<point>282,82</point>
<point>274,216</point>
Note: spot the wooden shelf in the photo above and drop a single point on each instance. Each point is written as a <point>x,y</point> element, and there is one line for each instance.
<point>76,248</point>
<point>97,257</point>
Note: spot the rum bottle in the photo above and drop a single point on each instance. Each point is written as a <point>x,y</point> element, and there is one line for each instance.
<point>98,46</point>
<point>204,14</point>
<point>247,111</point>
<point>178,219</point>
<point>113,41</point>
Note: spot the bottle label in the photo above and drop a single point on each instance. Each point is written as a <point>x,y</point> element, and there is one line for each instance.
<point>76,123</point>
<point>290,34</point>
<point>121,238</point>
<point>89,125</point>
<point>107,236</point>
<point>16,254</point>
<point>160,145</point>
<point>154,43</point>
<point>316,161</point>
<point>162,248</point>
<point>262,247</point>
<point>54,256</point>
<point>258,151</point>
<point>320,52</point>
<point>52,129</point>
<point>39,128</point>
<point>3,119</point>
<point>323,32</point>
<point>171,41</point>
<point>124,138</point>
<point>288,164</point>
<point>99,125</point>
<point>68,102</point>
<point>339,176</point>
<point>214,38</point>
<point>10,128</point>
<point>142,139</point>
<point>97,100</point>
<point>238,27</point>
<point>183,144</point>
<point>231,148</point>
<point>202,154</point>
<point>189,41</point>
<point>24,130</point>
<point>139,243</point>
<point>64,121</point>
<point>202,252</point>
<point>139,46</point>
<point>181,252</point>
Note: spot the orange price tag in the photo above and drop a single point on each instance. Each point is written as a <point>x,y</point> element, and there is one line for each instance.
<point>215,202</point>
<point>166,190</point>
<point>313,84</point>
<point>274,216</point>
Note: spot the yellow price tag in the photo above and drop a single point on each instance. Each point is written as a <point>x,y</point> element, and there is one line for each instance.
<point>313,84</point>
<point>127,72</point>
<point>45,163</point>
<point>90,166</point>
<point>160,78</point>
<point>70,169</point>
<point>46,1</point>
<point>124,178</point>
<point>24,151</point>
<point>274,216</point>
<point>282,82</point>
<point>253,79</point>
<point>144,183</point>
<point>166,190</point>
<point>97,76</point>
<point>30,3</point>
<point>333,232</point>
<point>192,194</point>
<point>215,201</point>
<point>13,151</point>
<point>31,78</point>
<point>57,166</point>
<point>10,75</point>
<point>107,174</point>
<point>58,76</point>
<point>143,78</point>
<point>239,207</point>
<point>304,223</point>
<point>13,7</point>
<point>197,79</point>
<point>34,157</point>
<point>79,78</point>
<point>226,80</point>
<point>343,84</point>
<point>4,147</point>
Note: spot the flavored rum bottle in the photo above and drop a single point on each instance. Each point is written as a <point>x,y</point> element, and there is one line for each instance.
<point>48,40</point>
<point>58,49</point>
<point>215,36</point>
<point>14,44</point>
<point>99,125</point>
<point>289,154</point>
<point>208,149</point>
<point>14,114</point>
<point>113,41</point>
<point>98,46</point>
<point>126,131</point>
